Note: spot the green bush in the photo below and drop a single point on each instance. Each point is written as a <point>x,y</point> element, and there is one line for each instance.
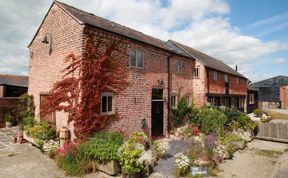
<point>28,122</point>
<point>103,146</point>
<point>211,120</point>
<point>131,151</point>
<point>258,112</point>
<point>42,131</point>
<point>71,164</point>
<point>8,117</point>
<point>232,114</point>
<point>179,113</point>
<point>182,111</point>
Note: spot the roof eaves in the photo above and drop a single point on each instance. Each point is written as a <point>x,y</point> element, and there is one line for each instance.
<point>191,55</point>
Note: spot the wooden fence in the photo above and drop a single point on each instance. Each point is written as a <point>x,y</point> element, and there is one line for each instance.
<point>273,131</point>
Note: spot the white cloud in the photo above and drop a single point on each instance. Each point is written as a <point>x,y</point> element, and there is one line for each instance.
<point>278,61</point>
<point>201,24</point>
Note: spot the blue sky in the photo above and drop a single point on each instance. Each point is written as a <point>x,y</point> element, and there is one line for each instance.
<point>266,20</point>
<point>252,34</point>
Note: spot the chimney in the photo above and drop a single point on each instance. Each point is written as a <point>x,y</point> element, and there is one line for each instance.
<point>236,68</point>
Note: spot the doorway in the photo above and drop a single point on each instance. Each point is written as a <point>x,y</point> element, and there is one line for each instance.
<point>157,112</point>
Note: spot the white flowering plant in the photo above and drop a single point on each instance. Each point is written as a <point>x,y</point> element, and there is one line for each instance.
<point>181,161</point>
<point>162,147</point>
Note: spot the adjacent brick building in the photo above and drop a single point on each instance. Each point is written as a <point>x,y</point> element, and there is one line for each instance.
<point>284,96</point>
<point>157,72</point>
<point>11,87</point>
<point>214,81</point>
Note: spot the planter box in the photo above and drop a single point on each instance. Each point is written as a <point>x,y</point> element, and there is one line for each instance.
<point>110,167</point>
<point>30,139</point>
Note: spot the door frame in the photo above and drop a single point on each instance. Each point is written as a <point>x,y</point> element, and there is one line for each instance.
<point>162,118</point>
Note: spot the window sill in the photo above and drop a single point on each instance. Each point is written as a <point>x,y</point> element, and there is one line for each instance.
<point>107,113</point>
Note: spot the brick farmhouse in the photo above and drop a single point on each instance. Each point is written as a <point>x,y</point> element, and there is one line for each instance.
<point>157,71</point>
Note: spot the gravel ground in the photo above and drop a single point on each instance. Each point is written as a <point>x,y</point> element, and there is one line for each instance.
<point>166,166</point>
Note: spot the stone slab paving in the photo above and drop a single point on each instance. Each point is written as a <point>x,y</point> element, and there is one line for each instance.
<point>7,138</point>
<point>166,166</point>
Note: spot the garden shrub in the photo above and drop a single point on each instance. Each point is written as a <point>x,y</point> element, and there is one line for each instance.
<point>42,131</point>
<point>179,113</point>
<point>232,114</point>
<point>103,146</point>
<point>258,112</point>
<point>211,120</point>
<point>184,111</point>
<point>70,164</point>
<point>131,151</point>
<point>28,122</point>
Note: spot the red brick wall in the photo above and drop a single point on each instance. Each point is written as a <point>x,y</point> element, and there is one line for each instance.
<point>45,69</point>
<point>200,85</point>
<point>219,85</point>
<point>134,103</point>
<point>284,97</point>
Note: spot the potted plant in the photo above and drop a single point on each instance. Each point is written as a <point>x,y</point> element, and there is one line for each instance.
<point>8,120</point>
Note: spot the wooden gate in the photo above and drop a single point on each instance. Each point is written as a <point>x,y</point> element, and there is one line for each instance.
<point>273,131</point>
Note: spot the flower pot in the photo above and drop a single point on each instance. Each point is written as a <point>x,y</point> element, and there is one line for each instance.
<point>8,124</point>
<point>109,167</point>
<point>131,175</point>
<point>181,172</point>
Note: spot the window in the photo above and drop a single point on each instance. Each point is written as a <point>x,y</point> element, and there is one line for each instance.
<point>226,78</point>
<point>173,101</point>
<point>215,75</point>
<point>241,102</point>
<point>212,101</point>
<point>251,98</point>
<point>107,103</point>
<point>180,66</point>
<point>196,72</point>
<point>237,81</point>
<point>136,58</point>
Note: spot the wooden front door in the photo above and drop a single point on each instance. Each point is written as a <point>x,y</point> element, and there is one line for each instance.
<point>51,118</point>
<point>157,112</point>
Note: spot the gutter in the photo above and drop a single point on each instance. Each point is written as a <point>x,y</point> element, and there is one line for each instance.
<point>169,93</point>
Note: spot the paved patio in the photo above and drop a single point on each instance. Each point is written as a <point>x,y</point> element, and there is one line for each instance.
<point>7,137</point>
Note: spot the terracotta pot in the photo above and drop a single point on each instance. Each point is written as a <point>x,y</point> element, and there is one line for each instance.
<point>131,175</point>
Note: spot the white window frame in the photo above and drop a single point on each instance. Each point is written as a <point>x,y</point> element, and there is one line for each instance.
<point>136,55</point>
<point>215,75</point>
<point>108,94</point>
<point>251,98</point>
<point>226,78</point>
<point>175,102</point>
<point>196,72</point>
<point>180,65</point>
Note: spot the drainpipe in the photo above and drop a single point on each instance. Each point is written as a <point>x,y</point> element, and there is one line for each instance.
<point>169,93</point>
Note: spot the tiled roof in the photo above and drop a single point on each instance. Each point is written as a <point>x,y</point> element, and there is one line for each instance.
<point>205,59</point>
<point>15,80</point>
<point>250,87</point>
<point>93,20</point>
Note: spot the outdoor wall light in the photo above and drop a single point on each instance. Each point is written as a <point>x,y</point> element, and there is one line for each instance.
<point>143,123</point>
<point>45,40</point>
<point>161,82</point>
